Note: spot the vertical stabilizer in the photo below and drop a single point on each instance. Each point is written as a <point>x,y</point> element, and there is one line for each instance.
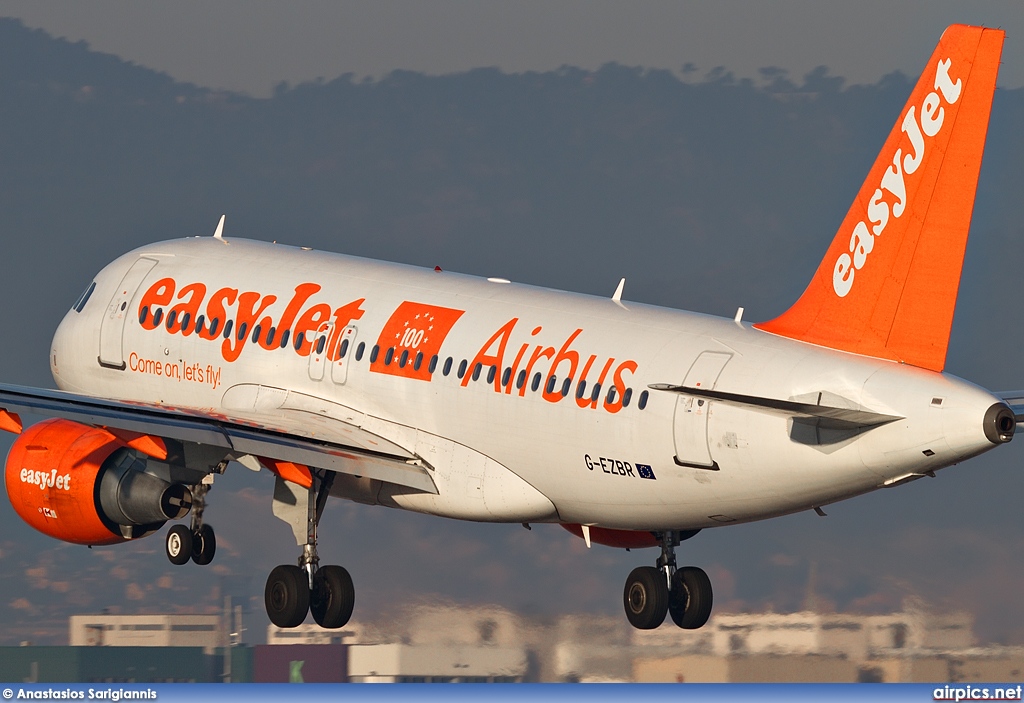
<point>887,286</point>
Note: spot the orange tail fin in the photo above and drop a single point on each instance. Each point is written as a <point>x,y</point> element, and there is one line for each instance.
<point>887,286</point>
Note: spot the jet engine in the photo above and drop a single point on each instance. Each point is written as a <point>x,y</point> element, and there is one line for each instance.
<point>82,484</point>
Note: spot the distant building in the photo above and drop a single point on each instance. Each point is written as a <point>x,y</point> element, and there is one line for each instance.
<point>103,630</point>
<point>448,643</point>
<point>403,663</point>
<point>853,637</point>
<point>311,633</point>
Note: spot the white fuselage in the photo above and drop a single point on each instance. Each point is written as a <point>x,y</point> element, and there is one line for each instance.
<point>498,451</point>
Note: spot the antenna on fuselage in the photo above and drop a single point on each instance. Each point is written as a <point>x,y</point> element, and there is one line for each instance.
<point>617,295</point>
<point>219,234</point>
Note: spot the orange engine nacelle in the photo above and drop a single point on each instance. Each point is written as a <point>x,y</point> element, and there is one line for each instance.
<point>81,484</point>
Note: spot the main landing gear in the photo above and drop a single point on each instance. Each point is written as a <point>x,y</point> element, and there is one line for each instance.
<point>324,591</point>
<point>651,592</point>
<point>197,542</point>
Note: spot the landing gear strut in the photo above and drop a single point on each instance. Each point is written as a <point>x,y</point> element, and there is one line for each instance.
<point>326,592</point>
<point>197,543</point>
<point>683,593</point>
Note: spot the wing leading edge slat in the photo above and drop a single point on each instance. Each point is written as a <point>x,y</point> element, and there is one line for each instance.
<point>188,425</point>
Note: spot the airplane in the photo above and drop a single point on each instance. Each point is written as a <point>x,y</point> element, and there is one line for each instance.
<point>480,399</point>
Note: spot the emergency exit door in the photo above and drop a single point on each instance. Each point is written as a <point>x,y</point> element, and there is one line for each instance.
<point>690,424</point>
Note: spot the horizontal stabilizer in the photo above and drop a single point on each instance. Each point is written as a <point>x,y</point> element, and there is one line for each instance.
<point>837,418</point>
<point>1015,399</point>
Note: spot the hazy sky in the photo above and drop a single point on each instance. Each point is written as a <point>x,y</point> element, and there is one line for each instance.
<point>251,45</point>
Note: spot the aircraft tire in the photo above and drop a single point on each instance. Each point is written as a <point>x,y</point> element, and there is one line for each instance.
<point>204,545</point>
<point>691,598</point>
<point>287,596</point>
<point>645,598</point>
<point>333,597</point>
<point>178,544</point>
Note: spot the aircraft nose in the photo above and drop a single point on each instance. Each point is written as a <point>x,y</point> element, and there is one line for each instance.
<point>1000,423</point>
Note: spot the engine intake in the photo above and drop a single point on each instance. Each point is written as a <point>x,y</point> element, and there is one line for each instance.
<point>81,484</point>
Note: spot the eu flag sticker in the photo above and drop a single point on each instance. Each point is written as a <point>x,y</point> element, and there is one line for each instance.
<point>645,471</point>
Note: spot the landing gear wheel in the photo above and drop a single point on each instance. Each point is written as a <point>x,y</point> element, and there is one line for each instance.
<point>332,598</point>
<point>178,544</point>
<point>287,596</point>
<point>645,598</point>
<point>204,545</point>
<point>690,601</point>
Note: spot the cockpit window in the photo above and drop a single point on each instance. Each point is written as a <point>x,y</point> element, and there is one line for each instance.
<point>84,298</point>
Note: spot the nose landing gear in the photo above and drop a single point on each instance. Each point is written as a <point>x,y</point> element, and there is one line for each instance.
<point>197,542</point>
<point>324,591</point>
<point>652,592</point>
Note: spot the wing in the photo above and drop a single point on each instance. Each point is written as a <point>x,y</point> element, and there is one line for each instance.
<point>238,435</point>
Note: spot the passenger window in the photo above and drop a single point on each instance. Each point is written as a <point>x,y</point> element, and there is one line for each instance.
<point>433,364</point>
<point>506,376</point>
<point>642,403</point>
<point>566,385</point>
<point>611,396</point>
<point>491,374</point>
<point>404,359</point>
<point>344,349</point>
<point>227,328</point>
<point>389,355</point>
<point>143,314</point>
<point>551,384</point>
<point>418,362</point>
<point>256,331</point>
<point>447,366</point>
<point>270,336</point>
<point>320,345</point>
<point>200,321</point>
<point>581,388</point>
<point>299,339</point>
<point>521,379</point>
<point>171,316</point>
<point>214,324</point>
<point>157,316</point>
<point>359,351</point>
<point>462,368</point>
<point>284,338</point>
<point>597,393</point>
<point>184,321</point>
<point>476,371</point>
<point>536,382</point>
<point>241,330</point>
<point>373,353</point>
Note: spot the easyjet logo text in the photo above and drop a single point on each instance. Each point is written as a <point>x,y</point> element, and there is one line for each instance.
<point>890,198</point>
<point>236,318</point>
<point>46,480</point>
